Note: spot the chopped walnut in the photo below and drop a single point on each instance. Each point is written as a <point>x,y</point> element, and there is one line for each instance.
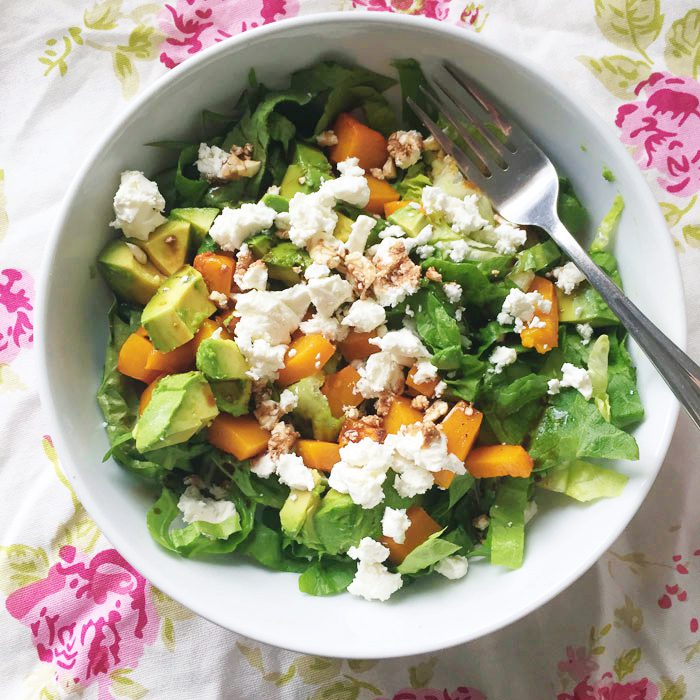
<point>281,440</point>
<point>360,272</point>
<point>351,412</point>
<point>396,270</point>
<point>327,138</point>
<point>433,275</point>
<point>430,431</point>
<point>268,413</point>
<point>383,402</point>
<point>420,402</point>
<point>366,427</point>
<point>405,147</point>
<point>194,480</point>
<point>389,169</point>
<point>436,411</point>
<point>481,522</point>
<point>240,163</point>
<point>377,173</point>
<point>329,252</point>
<point>431,144</point>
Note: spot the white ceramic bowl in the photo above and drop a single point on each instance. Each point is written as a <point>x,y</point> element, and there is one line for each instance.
<point>563,540</point>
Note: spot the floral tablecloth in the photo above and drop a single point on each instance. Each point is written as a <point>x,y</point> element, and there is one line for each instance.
<point>79,621</point>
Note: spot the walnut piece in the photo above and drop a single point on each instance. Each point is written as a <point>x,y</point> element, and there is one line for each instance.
<point>420,402</point>
<point>366,427</point>
<point>395,270</point>
<point>360,272</point>
<point>240,163</point>
<point>383,402</point>
<point>327,138</point>
<point>282,440</point>
<point>436,411</point>
<point>405,147</point>
<point>268,413</point>
<point>433,275</point>
<point>329,252</point>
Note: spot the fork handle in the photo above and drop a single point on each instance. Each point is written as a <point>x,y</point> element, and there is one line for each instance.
<point>680,372</point>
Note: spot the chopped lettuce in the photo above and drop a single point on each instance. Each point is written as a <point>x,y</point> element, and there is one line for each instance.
<point>606,230</point>
<point>427,554</point>
<point>584,481</point>
<point>327,576</point>
<point>507,527</point>
<point>598,372</point>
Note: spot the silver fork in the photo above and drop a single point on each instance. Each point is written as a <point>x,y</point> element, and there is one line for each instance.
<point>523,185</point>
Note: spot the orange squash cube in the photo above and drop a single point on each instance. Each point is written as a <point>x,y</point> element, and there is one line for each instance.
<point>305,356</point>
<point>133,357</point>
<point>546,338</point>
<point>339,389</point>
<point>381,193</point>
<point>356,140</point>
<point>499,460</point>
<point>356,346</point>
<point>421,527</point>
<point>318,454</point>
<point>241,436</point>
<point>401,413</point>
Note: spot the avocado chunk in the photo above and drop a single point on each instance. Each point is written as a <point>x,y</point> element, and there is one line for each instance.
<point>410,219</point>
<point>299,506</point>
<point>220,359</point>
<point>199,218</point>
<point>181,405</point>
<point>343,228</point>
<point>339,524</point>
<point>177,309</point>
<point>128,278</point>
<point>167,246</point>
<point>276,202</point>
<point>308,165</point>
<point>312,408</point>
<point>261,243</point>
<point>585,305</point>
<point>282,260</point>
<point>232,396</point>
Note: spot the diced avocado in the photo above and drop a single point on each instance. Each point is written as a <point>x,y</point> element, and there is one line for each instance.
<point>276,202</point>
<point>531,260</point>
<point>167,246</point>
<point>200,218</point>
<point>339,524</point>
<point>299,506</point>
<point>177,309</point>
<point>449,179</point>
<point>343,228</point>
<point>129,279</point>
<point>233,396</point>
<point>585,305</point>
<point>410,219</point>
<point>313,406</point>
<point>221,360</point>
<point>281,261</point>
<point>181,405</point>
<point>308,165</point>
<point>261,243</point>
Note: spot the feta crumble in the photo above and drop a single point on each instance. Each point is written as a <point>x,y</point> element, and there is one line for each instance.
<point>292,471</point>
<point>453,567</point>
<point>137,205</point>
<point>210,161</point>
<point>316,271</point>
<point>198,508</point>
<point>364,315</point>
<point>453,292</point>
<point>458,251</point>
<point>519,308</point>
<point>462,214</point>
<point>373,581</point>
<point>233,226</point>
<point>380,373</point>
<point>501,357</point>
<point>395,522</point>
<point>553,387</point>
<point>328,293</point>
<point>578,378</point>
<point>585,330</point>
<point>403,345</point>
<point>288,401</point>
<point>568,277</point>
<point>359,233</point>
<point>508,238</point>
<point>426,371</point>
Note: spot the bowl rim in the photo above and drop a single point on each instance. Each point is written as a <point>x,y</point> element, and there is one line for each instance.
<point>112,531</point>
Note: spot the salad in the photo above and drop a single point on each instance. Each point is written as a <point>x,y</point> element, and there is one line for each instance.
<point>331,356</point>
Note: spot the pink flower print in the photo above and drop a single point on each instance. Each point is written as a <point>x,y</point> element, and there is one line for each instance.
<point>579,664</point>
<point>16,311</point>
<point>663,129</point>
<point>434,9</point>
<point>192,25</point>
<point>88,618</point>
<point>607,689</point>
<point>461,693</point>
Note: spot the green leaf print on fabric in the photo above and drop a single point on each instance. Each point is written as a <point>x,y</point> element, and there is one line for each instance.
<point>626,661</point>
<point>673,690</point>
<point>619,74</point>
<point>691,235</point>
<point>421,674</point>
<point>629,615</point>
<point>103,15</point>
<point>673,213</point>
<point>21,565</point>
<point>682,51</point>
<point>125,687</point>
<point>630,24</point>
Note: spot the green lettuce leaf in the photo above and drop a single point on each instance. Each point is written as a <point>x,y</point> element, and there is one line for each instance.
<point>264,544</point>
<point>598,372</point>
<point>468,375</point>
<point>571,212</point>
<point>434,318</point>
<point>411,77</point>
<point>427,554</point>
<point>571,427</point>
<point>507,527</point>
<point>327,576</point>
<point>412,184</point>
<point>584,481</point>
<point>606,230</point>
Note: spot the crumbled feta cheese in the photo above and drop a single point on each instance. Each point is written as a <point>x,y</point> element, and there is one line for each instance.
<point>139,255</point>
<point>508,238</point>
<point>288,401</point>
<point>327,138</point>
<point>361,472</point>
<point>369,551</point>
<point>137,205</point>
<point>282,222</point>
<point>520,307</point>
<point>381,372</point>
<point>372,581</point>
<point>316,271</point>
<point>578,378</point>
<point>462,214</point>
<point>426,371</point>
<point>403,345</point>
<point>501,357</point>
<point>255,277</point>
<point>585,330</point>
<point>197,508</point>
<point>365,315</point>
<point>392,231</point>
<point>328,326</point>
<point>440,389</point>
<point>453,292</point>
<point>458,251</point>
<point>568,277</point>
<point>553,387</point>
<point>405,147</point>
<point>311,217</point>
<point>453,567</point>
<point>328,293</point>
<point>397,275</point>
<point>359,233</point>
<point>425,251</point>
<point>292,471</point>
<point>210,161</point>
<point>395,522</point>
<point>351,186</point>
<point>263,466</point>
<point>233,226</point>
